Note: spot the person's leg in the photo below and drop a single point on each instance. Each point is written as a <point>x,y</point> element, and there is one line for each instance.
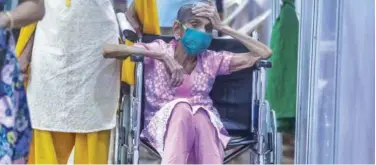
<point>92,148</point>
<point>208,148</point>
<point>179,136</point>
<point>50,147</point>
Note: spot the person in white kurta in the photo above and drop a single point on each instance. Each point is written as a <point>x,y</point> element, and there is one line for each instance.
<point>73,91</point>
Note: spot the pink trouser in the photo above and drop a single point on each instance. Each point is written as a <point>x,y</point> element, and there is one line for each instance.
<point>191,139</point>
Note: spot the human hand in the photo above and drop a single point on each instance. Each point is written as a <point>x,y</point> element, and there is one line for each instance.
<point>132,18</point>
<point>209,11</point>
<point>24,62</point>
<point>175,69</point>
<point>25,58</point>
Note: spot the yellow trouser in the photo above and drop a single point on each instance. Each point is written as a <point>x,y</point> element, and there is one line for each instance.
<point>56,147</point>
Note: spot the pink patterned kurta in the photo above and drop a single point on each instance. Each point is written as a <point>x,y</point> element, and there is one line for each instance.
<point>161,97</point>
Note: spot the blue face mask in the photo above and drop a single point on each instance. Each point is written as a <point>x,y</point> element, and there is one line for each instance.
<point>195,42</point>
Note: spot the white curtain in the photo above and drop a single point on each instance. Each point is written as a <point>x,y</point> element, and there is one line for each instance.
<point>323,77</point>
<point>336,82</point>
<point>356,84</point>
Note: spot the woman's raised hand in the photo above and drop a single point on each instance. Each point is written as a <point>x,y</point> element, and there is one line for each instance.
<point>209,11</point>
<point>175,69</point>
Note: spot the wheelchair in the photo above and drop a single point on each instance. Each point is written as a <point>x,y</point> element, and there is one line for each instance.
<point>239,99</point>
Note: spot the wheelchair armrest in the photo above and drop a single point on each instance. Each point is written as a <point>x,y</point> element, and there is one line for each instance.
<point>136,58</point>
<point>263,64</point>
<point>217,44</point>
<point>147,38</point>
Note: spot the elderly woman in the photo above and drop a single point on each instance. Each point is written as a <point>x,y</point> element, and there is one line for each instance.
<point>15,127</point>
<point>181,121</point>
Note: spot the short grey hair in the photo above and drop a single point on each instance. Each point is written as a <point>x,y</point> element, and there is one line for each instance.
<point>185,11</point>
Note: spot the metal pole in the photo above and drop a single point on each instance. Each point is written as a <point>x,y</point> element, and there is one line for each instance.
<point>137,102</point>
<point>261,115</point>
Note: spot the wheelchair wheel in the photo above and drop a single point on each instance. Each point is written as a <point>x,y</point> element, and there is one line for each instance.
<point>124,155</point>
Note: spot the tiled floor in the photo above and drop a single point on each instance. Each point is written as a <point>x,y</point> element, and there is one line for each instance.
<point>288,149</point>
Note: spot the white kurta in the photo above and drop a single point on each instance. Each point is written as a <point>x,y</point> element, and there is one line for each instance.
<point>72,87</point>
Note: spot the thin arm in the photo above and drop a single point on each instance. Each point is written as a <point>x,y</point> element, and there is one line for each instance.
<point>123,51</point>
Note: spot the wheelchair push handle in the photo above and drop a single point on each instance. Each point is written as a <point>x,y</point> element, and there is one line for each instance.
<point>127,31</point>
